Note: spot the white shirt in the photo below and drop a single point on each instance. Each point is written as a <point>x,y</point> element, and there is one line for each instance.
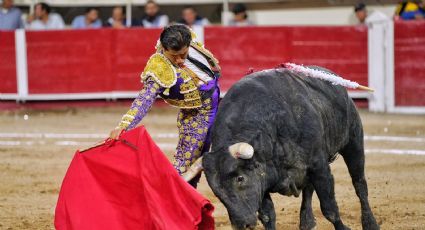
<point>193,53</point>
<point>159,22</point>
<point>55,22</point>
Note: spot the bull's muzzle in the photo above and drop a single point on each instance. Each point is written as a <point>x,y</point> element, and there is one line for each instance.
<point>247,224</point>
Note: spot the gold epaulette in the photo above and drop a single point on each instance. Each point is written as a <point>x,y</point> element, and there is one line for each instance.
<point>160,69</point>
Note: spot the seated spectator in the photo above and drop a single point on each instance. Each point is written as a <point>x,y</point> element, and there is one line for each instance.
<point>118,18</point>
<point>153,18</point>
<point>410,10</point>
<point>361,12</point>
<point>87,21</point>
<point>191,18</point>
<point>44,19</point>
<point>240,16</point>
<point>10,16</point>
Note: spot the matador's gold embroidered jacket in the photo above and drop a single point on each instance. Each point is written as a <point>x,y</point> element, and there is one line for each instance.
<point>177,86</point>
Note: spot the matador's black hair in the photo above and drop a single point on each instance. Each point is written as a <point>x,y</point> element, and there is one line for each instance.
<point>175,37</point>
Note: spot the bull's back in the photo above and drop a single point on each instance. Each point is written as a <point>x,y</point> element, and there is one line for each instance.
<point>282,87</point>
<point>306,108</point>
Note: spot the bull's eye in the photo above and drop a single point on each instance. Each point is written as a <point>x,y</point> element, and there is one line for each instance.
<point>257,165</point>
<point>240,179</point>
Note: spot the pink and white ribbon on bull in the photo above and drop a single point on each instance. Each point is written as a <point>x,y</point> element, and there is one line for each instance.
<point>334,79</point>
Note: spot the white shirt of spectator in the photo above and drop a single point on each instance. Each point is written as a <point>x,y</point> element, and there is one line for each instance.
<point>55,21</point>
<point>162,22</point>
<point>193,53</point>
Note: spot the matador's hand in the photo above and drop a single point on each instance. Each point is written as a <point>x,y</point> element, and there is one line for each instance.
<point>115,133</point>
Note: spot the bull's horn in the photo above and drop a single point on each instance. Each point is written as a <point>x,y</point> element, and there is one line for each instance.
<point>194,170</point>
<point>241,150</point>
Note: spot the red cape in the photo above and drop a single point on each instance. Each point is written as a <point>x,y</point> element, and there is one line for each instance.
<point>128,184</point>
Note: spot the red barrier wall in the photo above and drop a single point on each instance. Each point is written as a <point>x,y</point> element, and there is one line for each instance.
<point>409,55</point>
<point>79,61</point>
<point>7,62</point>
<point>103,60</point>
<point>342,49</point>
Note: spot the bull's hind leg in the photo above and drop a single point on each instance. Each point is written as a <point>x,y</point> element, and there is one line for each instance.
<point>354,157</point>
<point>307,221</point>
<point>266,213</point>
<point>323,183</point>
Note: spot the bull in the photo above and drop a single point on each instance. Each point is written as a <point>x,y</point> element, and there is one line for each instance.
<point>276,131</point>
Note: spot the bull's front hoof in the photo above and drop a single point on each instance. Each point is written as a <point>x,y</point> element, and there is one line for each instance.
<point>371,227</point>
<point>307,221</point>
<point>340,226</point>
<point>369,223</point>
<point>312,226</point>
<point>344,228</point>
<point>264,218</point>
<point>267,222</point>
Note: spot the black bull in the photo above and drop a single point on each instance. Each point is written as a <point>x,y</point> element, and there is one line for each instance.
<point>296,125</point>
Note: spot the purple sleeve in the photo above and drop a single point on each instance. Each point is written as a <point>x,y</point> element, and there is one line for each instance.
<point>141,105</point>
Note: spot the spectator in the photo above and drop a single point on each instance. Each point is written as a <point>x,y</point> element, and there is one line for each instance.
<point>44,19</point>
<point>87,21</point>
<point>240,16</point>
<point>153,18</point>
<point>10,16</point>
<point>410,10</point>
<point>118,18</point>
<point>191,18</point>
<point>361,12</point>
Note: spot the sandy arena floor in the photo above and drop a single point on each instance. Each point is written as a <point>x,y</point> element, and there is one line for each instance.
<point>35,153</point>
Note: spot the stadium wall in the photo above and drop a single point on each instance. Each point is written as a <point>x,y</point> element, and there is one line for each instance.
<point>106,63</point>
<point>8,63</point>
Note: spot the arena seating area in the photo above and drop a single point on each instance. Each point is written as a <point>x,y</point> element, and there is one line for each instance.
<point>98,61</point>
